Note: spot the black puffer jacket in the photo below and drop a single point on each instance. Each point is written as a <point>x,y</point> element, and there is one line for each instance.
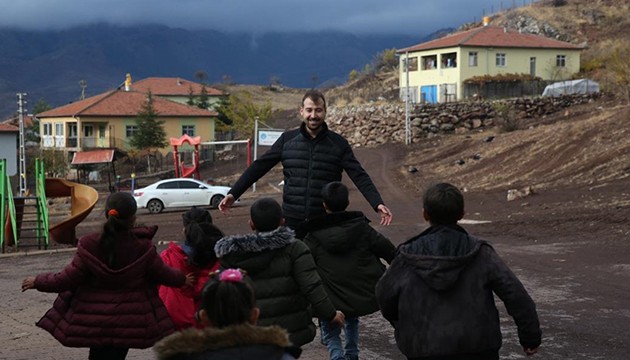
<point>285,279</point>
<point>236,342</point>
<point>438,295</point>
<point>348,253</point>
<point>309,164</point>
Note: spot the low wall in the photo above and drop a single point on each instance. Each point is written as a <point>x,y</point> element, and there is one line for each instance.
<point>373,124</point>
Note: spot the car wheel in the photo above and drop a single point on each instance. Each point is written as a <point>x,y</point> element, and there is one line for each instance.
<point>155,206</point>
<point>216,200</point>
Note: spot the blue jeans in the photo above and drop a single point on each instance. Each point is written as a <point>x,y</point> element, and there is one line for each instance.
<point>331,334</point>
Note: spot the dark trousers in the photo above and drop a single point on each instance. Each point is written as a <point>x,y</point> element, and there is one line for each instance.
<point>294,224</point>
<point>108,353</point>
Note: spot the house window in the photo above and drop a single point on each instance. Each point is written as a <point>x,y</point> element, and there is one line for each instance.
<point>59,129</point>
<point>429,62</point>
<point>47,129</point>
<point>88,131</point>
<point>72,130</point>
<point>472,58</point>
<point>449,60</point>
<point>561,60</point>
<point>131,130</point>
<point>413,63</point>
<point>188,130</point>
<point>501,59</point>
<point>101,131</point>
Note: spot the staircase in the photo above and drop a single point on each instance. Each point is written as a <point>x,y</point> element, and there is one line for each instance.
<point>29,225</point>
<point>25,218</point>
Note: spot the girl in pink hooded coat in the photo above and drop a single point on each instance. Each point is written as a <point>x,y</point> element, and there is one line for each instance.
<point>196,256</point>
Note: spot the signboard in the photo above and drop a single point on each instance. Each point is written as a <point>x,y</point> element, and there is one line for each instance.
<point>267,137</point>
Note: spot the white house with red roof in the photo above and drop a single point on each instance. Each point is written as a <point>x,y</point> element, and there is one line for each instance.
<point>438,68</point>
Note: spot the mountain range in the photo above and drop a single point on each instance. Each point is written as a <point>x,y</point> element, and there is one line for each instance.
<point>50,65</point>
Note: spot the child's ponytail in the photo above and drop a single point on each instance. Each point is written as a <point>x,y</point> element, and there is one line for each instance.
<point>120,210</point>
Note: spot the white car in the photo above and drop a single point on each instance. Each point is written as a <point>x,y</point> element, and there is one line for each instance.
<point>182,192</point>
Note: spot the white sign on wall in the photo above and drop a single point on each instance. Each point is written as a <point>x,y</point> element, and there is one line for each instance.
<point>267,138</point>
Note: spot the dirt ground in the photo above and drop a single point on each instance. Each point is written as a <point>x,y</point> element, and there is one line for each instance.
<point>568,241</point>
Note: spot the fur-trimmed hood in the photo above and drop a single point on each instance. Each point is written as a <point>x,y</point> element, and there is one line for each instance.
<point>186,343</point>
<point>255,242</point>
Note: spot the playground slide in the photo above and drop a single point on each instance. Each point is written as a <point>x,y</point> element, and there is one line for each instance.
<point>83,199</point>
<point>191,171</point>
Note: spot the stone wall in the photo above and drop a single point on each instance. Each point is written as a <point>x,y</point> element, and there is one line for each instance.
<point>373,124</point>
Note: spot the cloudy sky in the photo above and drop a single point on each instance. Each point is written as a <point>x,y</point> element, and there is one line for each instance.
<point>255,16</point>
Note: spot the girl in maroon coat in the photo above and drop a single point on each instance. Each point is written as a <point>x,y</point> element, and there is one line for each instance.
<point>195,256</point>
<point>108,298</point>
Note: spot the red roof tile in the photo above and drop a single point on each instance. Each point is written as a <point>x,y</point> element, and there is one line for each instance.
<point>492,36</point>
<point>93,157</point>
<point>15,121</point>
<point>171,86</point>
<point>124,103</point>
<point>8,128</point>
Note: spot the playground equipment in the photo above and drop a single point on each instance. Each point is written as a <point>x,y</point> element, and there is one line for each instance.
<point>83,198</point>
<point>181,170</point>
<point>14,214</point>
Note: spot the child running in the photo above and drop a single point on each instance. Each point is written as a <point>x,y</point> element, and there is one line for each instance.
<point>282,269</point>
<point>228,314</point>
<point>196,256</point>
<point>347,252</point>
<point>439,291</point>
<point>108,298</point>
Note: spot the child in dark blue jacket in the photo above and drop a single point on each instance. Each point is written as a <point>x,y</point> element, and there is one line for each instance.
<point>347,252</point>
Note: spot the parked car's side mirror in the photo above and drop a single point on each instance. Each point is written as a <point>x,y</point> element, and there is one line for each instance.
<point>202,187</point>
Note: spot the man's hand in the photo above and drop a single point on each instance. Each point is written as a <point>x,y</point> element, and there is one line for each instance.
<point>386,214</point>
<point>226,203</point>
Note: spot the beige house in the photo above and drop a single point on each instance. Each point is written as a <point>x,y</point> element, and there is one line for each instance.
<point>108,120</point>
<point>437,69</point>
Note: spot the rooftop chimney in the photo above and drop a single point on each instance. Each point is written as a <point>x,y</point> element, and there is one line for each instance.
<point>486,20</point>
<point>128,82</point>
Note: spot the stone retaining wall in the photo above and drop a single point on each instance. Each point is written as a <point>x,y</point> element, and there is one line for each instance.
<point>373,124</point>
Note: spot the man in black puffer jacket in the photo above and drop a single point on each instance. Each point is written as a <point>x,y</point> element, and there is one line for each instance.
<point>312,156</point>
<point>438,291</point>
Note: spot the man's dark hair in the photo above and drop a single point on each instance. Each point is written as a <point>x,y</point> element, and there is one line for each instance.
<point>335,195</point>
<point>266,214</point>
<point>443,203</point>
<point>314,95</point>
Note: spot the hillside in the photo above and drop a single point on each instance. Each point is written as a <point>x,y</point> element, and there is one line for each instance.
<point>585,146</point>
<point>50,64</point>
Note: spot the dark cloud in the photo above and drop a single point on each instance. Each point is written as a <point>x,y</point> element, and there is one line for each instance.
<point>255,16</point>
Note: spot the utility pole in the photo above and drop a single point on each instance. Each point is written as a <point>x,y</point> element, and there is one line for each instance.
<point>21,111</point>
<point>83,85</point>
<point>407,127</point>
